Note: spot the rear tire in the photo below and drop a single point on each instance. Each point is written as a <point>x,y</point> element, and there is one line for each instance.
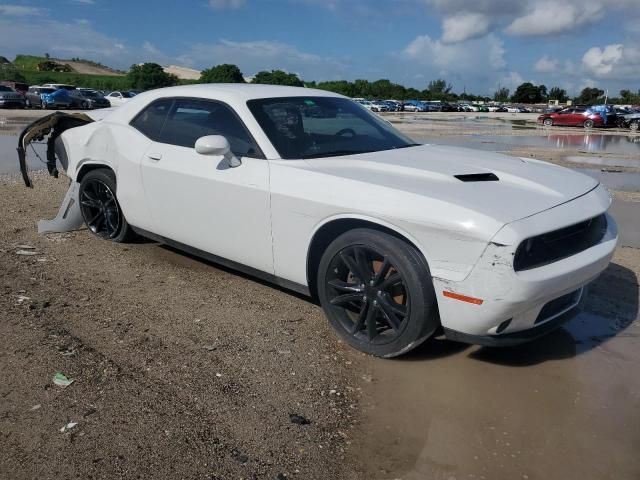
<point>588,123</point>
<point>100,208</point>
<point>377,293</point>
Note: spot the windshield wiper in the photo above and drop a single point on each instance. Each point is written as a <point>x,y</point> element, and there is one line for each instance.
<point>336,153</point>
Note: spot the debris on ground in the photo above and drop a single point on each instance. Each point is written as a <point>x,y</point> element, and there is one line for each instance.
<point>22,298</point>
<point>68,426</point>
<point>299,419</point>
<point>61,380</point>
<point>26,252</point>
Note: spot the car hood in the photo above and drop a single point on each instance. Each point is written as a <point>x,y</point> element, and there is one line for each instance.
<point>524,186</point>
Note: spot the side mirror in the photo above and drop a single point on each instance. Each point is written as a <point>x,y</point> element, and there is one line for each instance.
<point>213,145</point>
<point>217,145</point>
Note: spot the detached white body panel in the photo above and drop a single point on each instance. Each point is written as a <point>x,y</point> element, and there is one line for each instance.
<point>265,213</point>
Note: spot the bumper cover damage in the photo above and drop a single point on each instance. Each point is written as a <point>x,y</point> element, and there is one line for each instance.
<point>51,127</point>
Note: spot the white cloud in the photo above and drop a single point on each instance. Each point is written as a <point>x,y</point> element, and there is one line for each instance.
<point>511,81</point>
<point>471,55</point>
<point>524,18</point>
<point>254,56</point>
<point>616,61</point>
<point>221,4</point>
<point>476,63</point>
<point>546,65</point>
<point>84,2</point>
<point>20,11</point>
<point>551,17</point>
<point>463,26</point>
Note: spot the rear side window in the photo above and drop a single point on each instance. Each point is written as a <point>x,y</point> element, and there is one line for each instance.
<point>149,122</point>
<point>190,119</point>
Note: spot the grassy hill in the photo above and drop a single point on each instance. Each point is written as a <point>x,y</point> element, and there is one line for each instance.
<point>101,77</point>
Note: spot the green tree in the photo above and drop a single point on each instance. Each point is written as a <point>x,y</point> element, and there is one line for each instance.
<point>11,73</point>
<point>501,95</point>
<point>224,73</point>
<point>627,96</point>
<point>590,95</point>
<point>149,76</point>
<point>529,93</point>
<point>557,93</point>
<point>439,86</point>
<point>437,89</point>
<point>277,77</point>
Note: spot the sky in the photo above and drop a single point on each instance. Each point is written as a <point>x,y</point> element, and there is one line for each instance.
<point>476,45</point>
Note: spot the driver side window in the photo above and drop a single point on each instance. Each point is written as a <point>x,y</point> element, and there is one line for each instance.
<point>190,119</point>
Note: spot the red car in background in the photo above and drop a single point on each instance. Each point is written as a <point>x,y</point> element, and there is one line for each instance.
<point>572,116</point>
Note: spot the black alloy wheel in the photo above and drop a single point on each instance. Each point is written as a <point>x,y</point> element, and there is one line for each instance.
<point>371,291</point>
<point>100,208</point>
<point>377,292</point>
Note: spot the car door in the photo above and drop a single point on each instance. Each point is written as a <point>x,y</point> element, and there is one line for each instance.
<point>200,200</point>
<point>578,116</point>
<point>563,116</point>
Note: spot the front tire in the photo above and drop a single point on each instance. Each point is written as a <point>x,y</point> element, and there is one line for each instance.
<point>588,123</point>
<point>100,208</point>
<point>548,122</point>
<point>634,126</point>
<point>377,293</point>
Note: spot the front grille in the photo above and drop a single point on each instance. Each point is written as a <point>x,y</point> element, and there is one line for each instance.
<point>553,246</point>
<point>557,306</point>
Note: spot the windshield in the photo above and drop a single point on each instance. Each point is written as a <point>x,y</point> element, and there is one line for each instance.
<point>311,127</point>
<point>89,94</point>
<point>128,94</point>
<point>47,90</point>
<point>5,89</point>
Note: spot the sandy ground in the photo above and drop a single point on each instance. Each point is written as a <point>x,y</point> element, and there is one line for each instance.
<point>182,369</point>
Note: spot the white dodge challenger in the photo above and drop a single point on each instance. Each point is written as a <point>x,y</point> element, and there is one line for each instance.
<point>398,241</point>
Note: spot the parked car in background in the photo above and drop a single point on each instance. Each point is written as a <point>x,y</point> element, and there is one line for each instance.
<point>449,107</point>
<point>48,97</point>
<point>414,106</point>
<point>414,240</point>
<point>631,121</point>
<point>89,99</point>
<point>572,116</point>
<point>118,98</point>
<point>19,87</point>
<point>377,106</point>
<point>9,98</point>
<point>60,86</point>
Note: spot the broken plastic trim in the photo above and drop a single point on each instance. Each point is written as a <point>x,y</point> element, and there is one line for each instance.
<point>52,125</point>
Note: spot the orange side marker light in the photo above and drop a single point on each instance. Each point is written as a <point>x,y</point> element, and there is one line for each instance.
<point>462,298</point>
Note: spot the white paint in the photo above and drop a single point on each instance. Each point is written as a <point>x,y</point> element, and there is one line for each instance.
<point>264,213</point>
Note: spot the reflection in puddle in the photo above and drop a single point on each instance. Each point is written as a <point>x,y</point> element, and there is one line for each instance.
<point>586,143</point>
<point>603,161</point>
<point>9,155</point>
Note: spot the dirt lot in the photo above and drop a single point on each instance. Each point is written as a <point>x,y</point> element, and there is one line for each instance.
<point>182,369</point>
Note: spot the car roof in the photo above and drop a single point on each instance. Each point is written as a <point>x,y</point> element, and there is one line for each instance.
<point>234,94</point>
<point>239,91</point>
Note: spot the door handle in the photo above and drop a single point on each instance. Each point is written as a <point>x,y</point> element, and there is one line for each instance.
<point>154,156</point>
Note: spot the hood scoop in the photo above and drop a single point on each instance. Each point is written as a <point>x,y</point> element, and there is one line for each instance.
<point>478,177</point>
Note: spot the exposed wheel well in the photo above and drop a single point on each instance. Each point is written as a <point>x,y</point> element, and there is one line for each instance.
<point>89,167</point>
<point>329,232</point>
